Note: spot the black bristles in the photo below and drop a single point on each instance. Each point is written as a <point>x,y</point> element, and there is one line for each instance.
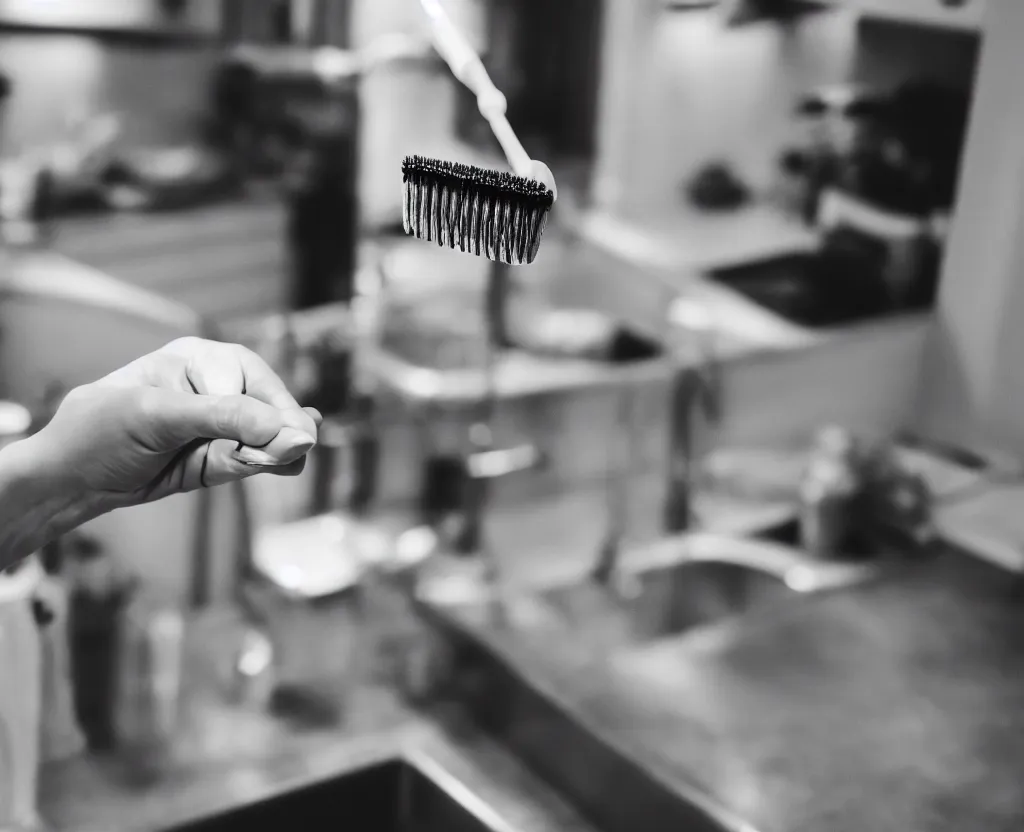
<point>499,215</point>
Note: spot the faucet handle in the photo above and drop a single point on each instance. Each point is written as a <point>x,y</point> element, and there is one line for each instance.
<point>495,464</point>
<point>353,434</point>
<point>483,466</point>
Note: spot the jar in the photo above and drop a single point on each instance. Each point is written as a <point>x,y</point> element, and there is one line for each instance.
<point>307,590</point>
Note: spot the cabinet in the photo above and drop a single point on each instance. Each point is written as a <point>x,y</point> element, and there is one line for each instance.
<point>302,22</point>
<point>966,15</point>
<point>192,17</point>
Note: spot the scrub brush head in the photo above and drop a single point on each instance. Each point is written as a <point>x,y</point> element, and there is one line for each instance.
<point>485,212</point>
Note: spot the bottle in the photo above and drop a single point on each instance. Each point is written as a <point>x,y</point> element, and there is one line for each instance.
<point>98,598</point>
<point>828,494</point>
<point>61,736</point>
<point>148,686</point>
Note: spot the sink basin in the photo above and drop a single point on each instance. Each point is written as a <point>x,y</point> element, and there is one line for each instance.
<point>395,796</point>
<point>525,674</point>
<point>611,788</point>
<point>699,580</point>
<point>809,289</point>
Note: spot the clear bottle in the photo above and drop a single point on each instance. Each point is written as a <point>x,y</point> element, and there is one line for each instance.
<point>149,679</point>
<point>828,491</point>
<point>61,736</point>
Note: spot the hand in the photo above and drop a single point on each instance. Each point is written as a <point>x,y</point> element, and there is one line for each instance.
<point>174,421</point>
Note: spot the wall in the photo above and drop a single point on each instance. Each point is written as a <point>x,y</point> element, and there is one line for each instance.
<point>681,89</point>
<point>159,89</point>
<point>974,387</point>
<point>203,15</point>
<point>405,110</point>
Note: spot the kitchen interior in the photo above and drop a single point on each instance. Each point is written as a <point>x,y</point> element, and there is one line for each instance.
<point>705,520</point>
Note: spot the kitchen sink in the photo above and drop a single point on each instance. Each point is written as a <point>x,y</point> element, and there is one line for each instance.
<point>695,581</point>
<point>394,796</point>
<point>812,290</point>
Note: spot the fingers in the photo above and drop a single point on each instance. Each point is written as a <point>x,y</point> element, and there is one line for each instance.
<point>213,368</point>
<point>216,463</point>
<point>157,369</point>
<point>263,383</point>
<point>210,368</point>
<point>246,436</point>
<point>176,419</point>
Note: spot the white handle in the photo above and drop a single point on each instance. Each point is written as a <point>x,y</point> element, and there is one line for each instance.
<point>466,65</point>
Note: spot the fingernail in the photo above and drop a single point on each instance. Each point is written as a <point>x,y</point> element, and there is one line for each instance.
<point>257,458</point>
<point>286,447</point>
<point>292,441</point>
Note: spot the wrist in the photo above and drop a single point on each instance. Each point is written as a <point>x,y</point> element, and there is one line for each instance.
<point>37,502</point>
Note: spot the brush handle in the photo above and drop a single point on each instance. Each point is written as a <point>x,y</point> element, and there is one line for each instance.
<point>466,65</point>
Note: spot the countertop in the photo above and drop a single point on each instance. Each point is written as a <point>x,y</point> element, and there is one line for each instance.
<point>231,756</point>
<point>693,240</point>
<point>894,706</point>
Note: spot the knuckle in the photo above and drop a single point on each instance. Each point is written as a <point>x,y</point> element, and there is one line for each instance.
<point>186,343</point>
<point>245,354</point>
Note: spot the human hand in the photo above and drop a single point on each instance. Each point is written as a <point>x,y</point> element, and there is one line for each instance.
<point>173,421</point>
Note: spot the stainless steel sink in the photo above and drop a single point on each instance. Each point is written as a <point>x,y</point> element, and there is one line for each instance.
<point>694,581</point>
<point>395,796</point>
<point>496,679</point>
<point>523,673</point>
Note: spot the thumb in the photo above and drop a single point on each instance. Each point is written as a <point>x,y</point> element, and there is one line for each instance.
<point>180,418</point>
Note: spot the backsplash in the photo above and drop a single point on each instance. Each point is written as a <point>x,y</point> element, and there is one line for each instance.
<point>160,90</point>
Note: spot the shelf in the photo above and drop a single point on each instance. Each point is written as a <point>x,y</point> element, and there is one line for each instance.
<point>967,18</point>
<point>169,37</point>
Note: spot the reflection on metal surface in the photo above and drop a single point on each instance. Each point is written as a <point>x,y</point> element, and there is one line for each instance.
<point>405,795</point>
<point>613,791</point>
<point>695,581</point>
<point>458,791</point>
<point>664,590</point>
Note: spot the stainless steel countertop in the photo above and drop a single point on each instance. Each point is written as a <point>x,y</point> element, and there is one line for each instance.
<point>226,757</point>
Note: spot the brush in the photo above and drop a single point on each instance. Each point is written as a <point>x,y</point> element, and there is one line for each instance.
<point>492,213</point>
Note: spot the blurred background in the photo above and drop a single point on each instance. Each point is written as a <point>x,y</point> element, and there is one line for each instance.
<point>742,124</point>
<point>785,230</point>
<point>233,168</point>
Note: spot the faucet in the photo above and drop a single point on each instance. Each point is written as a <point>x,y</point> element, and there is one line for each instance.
<point>620,467</point>
<point>483,465</point>
<point>425,564</point>
<point>695,397</point>
<point>424,567</point>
